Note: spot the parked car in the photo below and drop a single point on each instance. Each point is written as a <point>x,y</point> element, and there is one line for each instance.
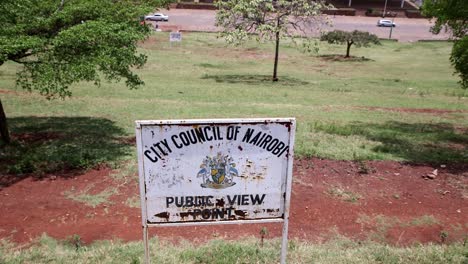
<point>157,17</point>
<point>385,23</point>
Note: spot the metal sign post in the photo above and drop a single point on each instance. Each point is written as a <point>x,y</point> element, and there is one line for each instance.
<point>221,171</point>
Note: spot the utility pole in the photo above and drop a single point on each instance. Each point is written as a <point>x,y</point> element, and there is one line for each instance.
<point>391,29</point>
<point>384,9</point>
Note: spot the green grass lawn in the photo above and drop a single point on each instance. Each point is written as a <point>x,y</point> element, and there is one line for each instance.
<point>337,250</point>
<point>202,77</point>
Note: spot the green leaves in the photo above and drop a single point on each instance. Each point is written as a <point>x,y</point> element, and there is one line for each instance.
<point>357,38</point>
<point>459,59</point>
<point>453,16</point>
<point>270,20</point>
<point>81,40</point>
<point>448,13</point>
<point>17,47</point>
<point>241,19</point>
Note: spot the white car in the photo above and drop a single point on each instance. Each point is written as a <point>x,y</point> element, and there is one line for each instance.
<point>157,17</point>
<point>385,23</point>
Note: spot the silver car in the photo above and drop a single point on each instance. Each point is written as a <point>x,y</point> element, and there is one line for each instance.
<point>385,23</point>
<point>157,17</point>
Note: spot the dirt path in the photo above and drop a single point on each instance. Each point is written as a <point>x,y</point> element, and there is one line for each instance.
<point>381,200</point>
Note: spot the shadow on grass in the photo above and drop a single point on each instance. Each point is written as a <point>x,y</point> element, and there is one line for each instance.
<point>42,145</point>
<point>339,57</point>
<point>255,79</point>
<point>439,143</point>
<point>211,66</point>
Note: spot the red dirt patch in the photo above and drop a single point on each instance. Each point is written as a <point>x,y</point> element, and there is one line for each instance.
<point>3,91</point>
<point>393,203</point>
<point>127,140</point>
<point>414,110</point>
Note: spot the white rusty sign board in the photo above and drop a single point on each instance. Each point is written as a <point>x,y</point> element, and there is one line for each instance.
<point>175,37</point>
<point>215,170</point>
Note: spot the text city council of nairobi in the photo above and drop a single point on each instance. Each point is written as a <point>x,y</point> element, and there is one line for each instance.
<point>202,134</point>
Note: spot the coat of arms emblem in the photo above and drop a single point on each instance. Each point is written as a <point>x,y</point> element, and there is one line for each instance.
<point>218,172</point>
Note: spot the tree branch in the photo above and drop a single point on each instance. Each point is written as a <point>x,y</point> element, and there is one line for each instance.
<point>21,55</point>
<point>62,2</point>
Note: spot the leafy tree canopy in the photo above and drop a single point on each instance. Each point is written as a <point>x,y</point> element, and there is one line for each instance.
<point>357,38</point>
<point>459,59</point>
<point>452,15</point>
<point>60,42</point>
<point>240,18</point>
<point>269,20</point>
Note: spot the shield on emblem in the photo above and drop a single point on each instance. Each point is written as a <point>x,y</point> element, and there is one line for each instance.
<point>221,173</point>
<point>214,175</point>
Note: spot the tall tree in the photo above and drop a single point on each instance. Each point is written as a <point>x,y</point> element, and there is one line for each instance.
<point>357,38</point>
<point>269,20</point>
<point>4,133</point>
<point>452,15</point>
<point>60,42</point>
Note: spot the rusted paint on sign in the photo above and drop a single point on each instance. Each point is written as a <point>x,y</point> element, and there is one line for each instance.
<point>214,170</point>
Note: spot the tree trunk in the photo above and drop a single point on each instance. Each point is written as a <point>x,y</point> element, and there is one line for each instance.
<point>275,67</point>
<point>3,125</point>
<point>348,48</point>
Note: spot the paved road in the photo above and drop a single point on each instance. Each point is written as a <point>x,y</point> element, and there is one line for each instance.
<point>405,31</point>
